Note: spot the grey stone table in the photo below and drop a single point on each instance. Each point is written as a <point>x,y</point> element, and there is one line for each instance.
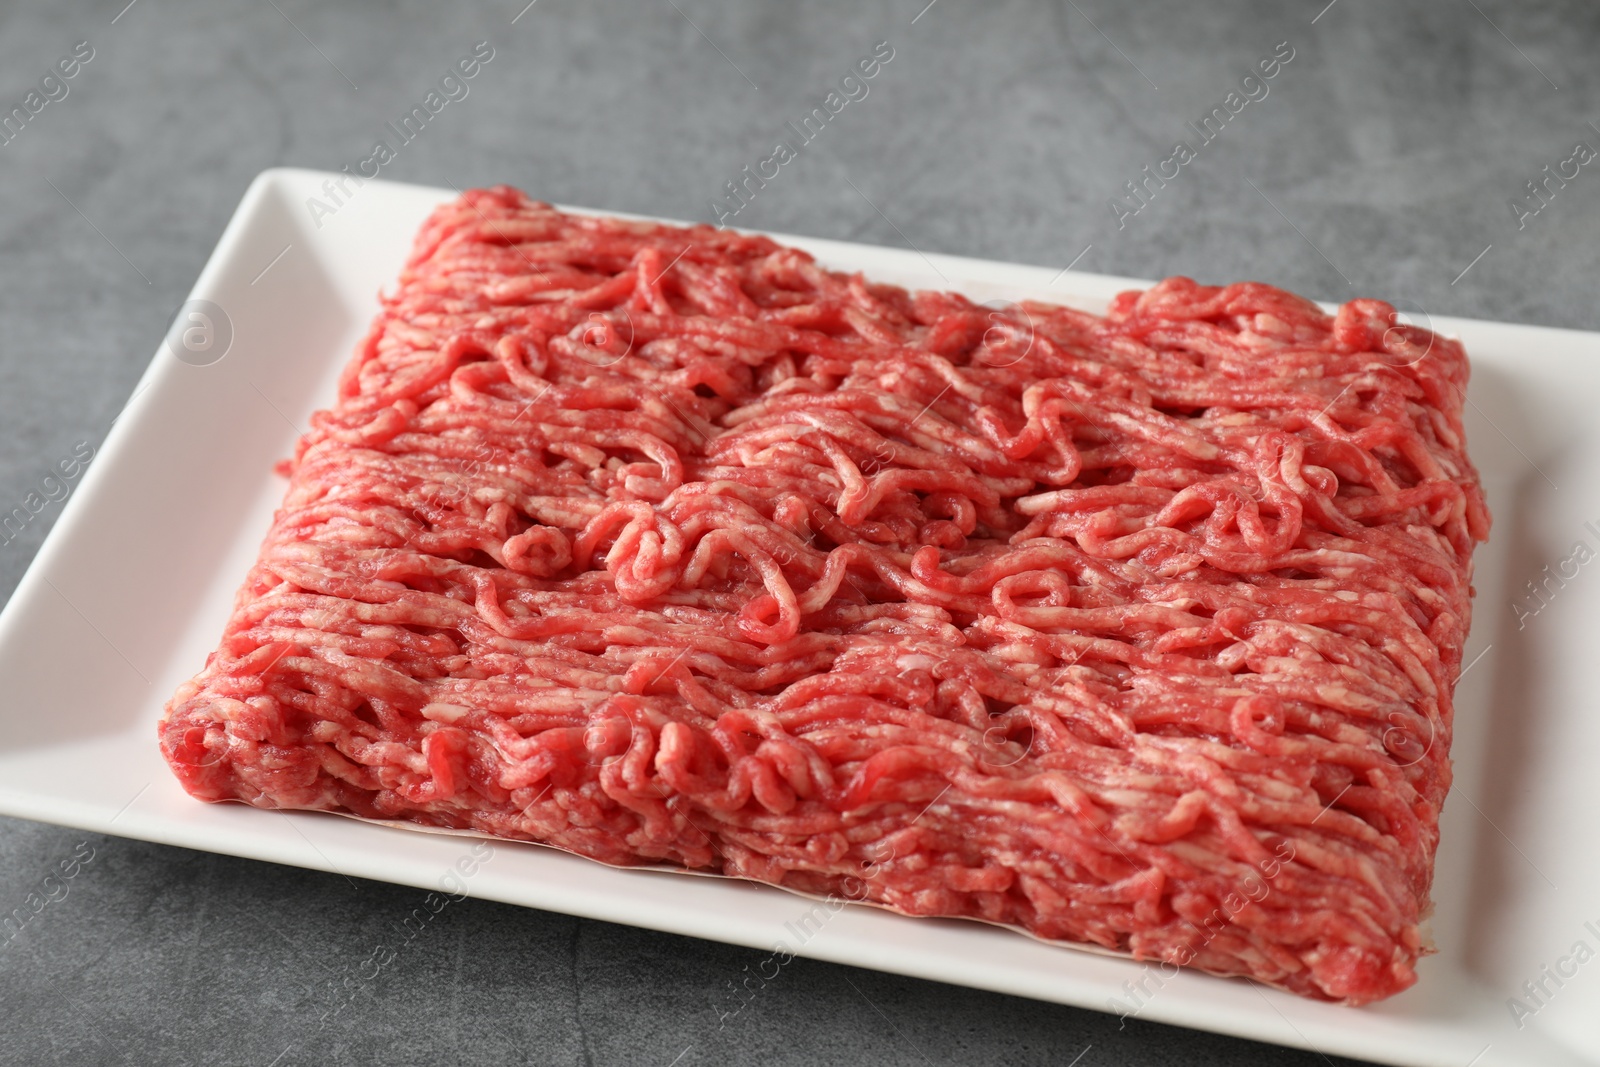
<point>1389,154</point>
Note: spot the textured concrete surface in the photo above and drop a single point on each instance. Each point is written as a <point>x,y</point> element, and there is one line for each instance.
<point>1383,159</point>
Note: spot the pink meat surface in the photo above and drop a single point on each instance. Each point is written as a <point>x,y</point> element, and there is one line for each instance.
<point>667,546</point>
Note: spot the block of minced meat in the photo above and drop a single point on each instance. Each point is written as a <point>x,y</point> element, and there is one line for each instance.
<point>667,546</point>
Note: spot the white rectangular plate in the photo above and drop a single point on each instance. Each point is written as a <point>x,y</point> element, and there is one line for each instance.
<point>131,589</point>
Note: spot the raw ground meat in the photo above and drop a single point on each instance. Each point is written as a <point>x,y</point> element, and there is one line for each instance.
<point>667,546</point>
